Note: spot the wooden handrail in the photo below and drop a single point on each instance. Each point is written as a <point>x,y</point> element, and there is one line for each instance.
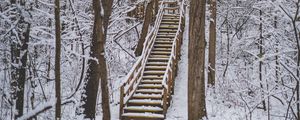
<point>134,76</point>
<point>168,79</point>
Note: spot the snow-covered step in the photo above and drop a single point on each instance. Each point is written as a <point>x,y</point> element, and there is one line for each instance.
<point>146,96</point>
<point>170,23</point>
<point>170,20</point>
<point>162,49</point>
<point>171,15</point>
<point>171,8</point>
<point>143,115</point>
<point>156,64</point>
<point>159,56</point>
<point>160,53</point>
<point>149,91</point>
<point>152,77</point>
<point>143,108</point>
<point>158,59</point>
<point>164,41</point>
<point>154,72</point>
<point>168,27</point>
<point>155,67</point>
<point>145,102</point>
<point>156,86</point>
<point>151,81</point>
<point>167,30</point>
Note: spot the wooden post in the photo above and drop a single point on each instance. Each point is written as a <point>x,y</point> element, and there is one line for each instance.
<point>121,101</point>
<point>165,101</point>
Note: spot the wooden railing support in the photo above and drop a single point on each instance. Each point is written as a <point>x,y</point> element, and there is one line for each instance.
<point>121,101</point>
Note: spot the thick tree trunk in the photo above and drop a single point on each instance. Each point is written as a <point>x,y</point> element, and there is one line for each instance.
<point>196,80</point>
<point>147,21</point>
<point>212,43</point>
<point>57,61</point>
<point>19,50</point>
<point>97,69</point>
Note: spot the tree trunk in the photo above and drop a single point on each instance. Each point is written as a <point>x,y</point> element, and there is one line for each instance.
<point>57,61</point>
<point>260,46</point>
<point>196,54</point>
<point>147,21</point>
<point>212,43</point>
<point>19,50</point>
<point>97,69</point>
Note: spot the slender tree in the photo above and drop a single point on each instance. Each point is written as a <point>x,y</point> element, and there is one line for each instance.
<point>97,68</point>
<point>196,60</point>
<point>147,21</point>
<point>57,60</point>
<point>212,43</point>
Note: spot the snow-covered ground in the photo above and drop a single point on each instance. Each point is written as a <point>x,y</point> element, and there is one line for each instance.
<point>178,107</point>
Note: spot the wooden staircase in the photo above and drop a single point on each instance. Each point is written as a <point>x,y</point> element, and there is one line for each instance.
<point>146,94</point>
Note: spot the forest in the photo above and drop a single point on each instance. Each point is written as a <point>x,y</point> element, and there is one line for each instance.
<point>149,59</point>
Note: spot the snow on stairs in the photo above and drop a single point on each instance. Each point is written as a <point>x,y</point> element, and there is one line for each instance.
<point>146,103</point>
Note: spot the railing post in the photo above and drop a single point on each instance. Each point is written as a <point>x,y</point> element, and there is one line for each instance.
<point>121,101</point>
<point>165,95</point>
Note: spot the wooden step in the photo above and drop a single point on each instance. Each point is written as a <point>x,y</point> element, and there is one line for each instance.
<point>142,116</point>
<point>164,39</point>
<point>149,91</point>
<point>162,49</point>
<point>172,15</point>
<point>144,102</point>
<point>155,68</point>
<point>159,56</point>
<point>142,109</point>
<point>169,23</point>
<point>169,20</point>
<point>152,77</point>
<point>160,53</point>
<point>156,63</point>
<point>163,42</point>
<point>153,86</point>
<point>157,59</point>
<point>167,31</point>
<point>154,72</point>
<point>168,27</point>
<point>171,8</point>
<point>151,81</point>
<point>146,96</point>
<point>162,46</point>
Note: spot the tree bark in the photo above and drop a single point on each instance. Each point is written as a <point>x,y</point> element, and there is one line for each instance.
<point>97,69</point>
<point>147,21</point>
<point>196,59</point>
<point>19,50</point>
<point>212,43</point>
<point>57,60</point>
<point>260,46</point>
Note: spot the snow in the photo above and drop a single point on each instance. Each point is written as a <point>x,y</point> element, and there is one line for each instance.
<point>178,107</point>
<point>144,115</point>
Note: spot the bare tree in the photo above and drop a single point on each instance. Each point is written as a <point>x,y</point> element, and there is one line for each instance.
<point>147,21</point>
<point>196,54</point>
<point>19,53</point>
<point>97,69</point>
<point>57,60</point>
<point>212,43</point>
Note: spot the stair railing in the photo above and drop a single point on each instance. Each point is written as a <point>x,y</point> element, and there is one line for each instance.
<point>169,76</point>
<point>135,75</point>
